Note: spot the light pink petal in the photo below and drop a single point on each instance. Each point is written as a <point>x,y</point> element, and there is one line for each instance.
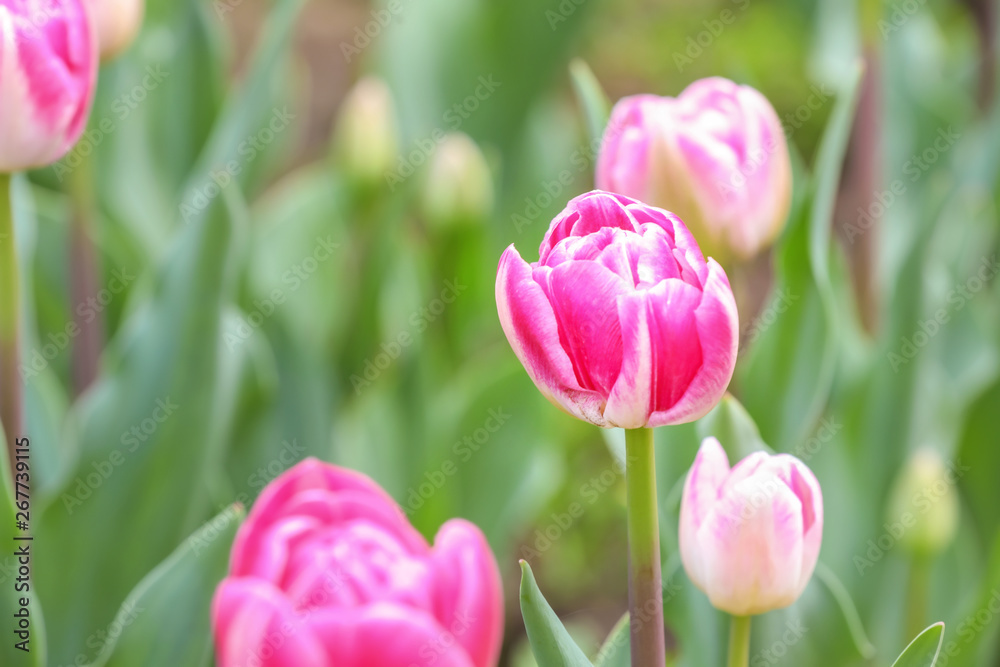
<point>468,591</point>
<point>701,491</point>
<point>529,322</point>
<point>254,624</point>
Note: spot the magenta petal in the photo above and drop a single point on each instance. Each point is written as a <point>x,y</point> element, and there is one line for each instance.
<point>529,322</point>
<point>583,295</point>
<point>386,635</point>
<point>468,591</point>
<point>254,624</point>
<point>587,214</point>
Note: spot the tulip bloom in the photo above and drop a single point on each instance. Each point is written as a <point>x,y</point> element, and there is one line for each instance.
<point>750,536</point>
<point>327,572</point>
<point>621,321</point>
<point>48,71</point>
<point>716,155</point>
<point>118,23</point>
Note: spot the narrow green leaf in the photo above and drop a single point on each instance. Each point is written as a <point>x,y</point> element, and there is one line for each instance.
<point>165,620</point>
<point>617,648</point>
<point>591,97</point>
<point>848,609</point>
<point>735,429</point>
<point>924,650</point>
<point>551,644</point>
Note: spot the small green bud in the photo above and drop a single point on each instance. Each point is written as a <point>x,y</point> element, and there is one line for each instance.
<point>366,141</point>
<point>924,503</point>
<point>459,185</point>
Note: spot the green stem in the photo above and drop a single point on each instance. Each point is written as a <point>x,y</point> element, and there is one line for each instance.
<point>739,642</point>
<point>84,272</point>
<point>917,592</point>
<point>645,593</point>
<point>10,382</point>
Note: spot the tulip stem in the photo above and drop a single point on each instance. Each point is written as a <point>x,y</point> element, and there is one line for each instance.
<point>645,594</point>
<point>739,642</point>
<point>10,383</point>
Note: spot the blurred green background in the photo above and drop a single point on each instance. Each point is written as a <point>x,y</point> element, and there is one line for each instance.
<point>304,303</point>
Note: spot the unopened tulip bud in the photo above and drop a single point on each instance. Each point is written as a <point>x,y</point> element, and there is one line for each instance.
<point>366,141</point>
<point>48,70</point>
<point>118,23</point>
<point>924,502</point>
<point>716,155</point>
<point>621,322</point>
<point>750,536</point>
<point>459,187</point>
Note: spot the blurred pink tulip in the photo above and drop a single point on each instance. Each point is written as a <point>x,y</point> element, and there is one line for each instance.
<point>750,536</point>
<point>621,322</point>
<point>327,572</point>
<point>118,23</point>
<point>48,71</point>
<point>716,155</point>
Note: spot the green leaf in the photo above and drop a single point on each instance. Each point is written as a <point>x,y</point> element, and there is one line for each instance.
<point>788,374</point>
<point>735,429</point>
<point>923,651</point>
<point>617,649</point>
<point>10,597</point>
<point>551,644</point>
<point>591,97</point>
<point>165,620</point>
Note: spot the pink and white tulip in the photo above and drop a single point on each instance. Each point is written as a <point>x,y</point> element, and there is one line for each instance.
<point>327,572</point>
<point>621,322</point>
<point>750,536</point>
<point>48,71</point>
<point>716,155</point>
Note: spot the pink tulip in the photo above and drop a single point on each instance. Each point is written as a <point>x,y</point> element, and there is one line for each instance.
<point>750,536</point>
<point>716,155</point>
<point>327,572</point>
<point>118,23</point>
<point>621,322</point>
<point>48,70</point>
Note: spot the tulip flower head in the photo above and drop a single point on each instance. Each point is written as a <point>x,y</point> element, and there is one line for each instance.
<point>621,322</point>
<point>118,23</point>
<point>327,572</point>
<point>48,71</point>
<point>750,536</point>
<point>924,501</point>
<point>716,155</point>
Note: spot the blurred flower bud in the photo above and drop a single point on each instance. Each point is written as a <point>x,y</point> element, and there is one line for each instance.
<point>366,141</point>
<point>924,504</point>
<point>48,71</point>
<point>459,187</point>
<point>118,23</point>
<point>715,155</point>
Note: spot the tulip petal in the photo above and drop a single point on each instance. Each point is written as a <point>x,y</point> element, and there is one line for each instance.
<point>752,548</point>
<point>588,214</point>
<point>387,635</point>
<point>469,593</point>
<point>718,337</point>
<point>255,625</point>
<point>701,490</point>
<point>529,322</point>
